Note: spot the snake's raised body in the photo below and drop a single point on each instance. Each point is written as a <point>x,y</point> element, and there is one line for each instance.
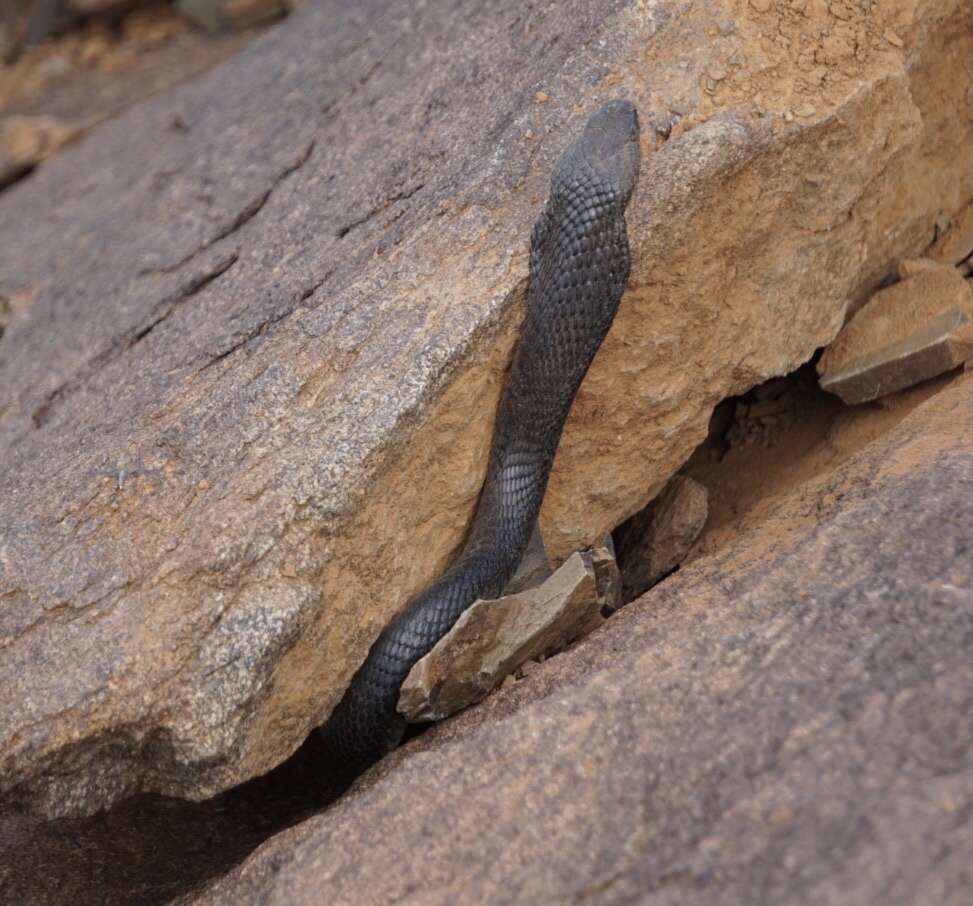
<point>579,265</point>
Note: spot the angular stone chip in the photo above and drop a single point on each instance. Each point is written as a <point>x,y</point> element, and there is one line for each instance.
<point>906,333</point>
<point>495,637</point>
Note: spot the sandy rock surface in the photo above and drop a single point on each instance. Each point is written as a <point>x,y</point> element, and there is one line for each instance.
<point>246,414</point>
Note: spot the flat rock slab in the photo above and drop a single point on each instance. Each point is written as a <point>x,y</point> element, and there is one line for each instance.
<point>907,333</point>
<point>495,637</point>
<point>246,413</point>
<point>784,721</point>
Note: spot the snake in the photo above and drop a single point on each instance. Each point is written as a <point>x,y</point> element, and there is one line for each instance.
<point>579,268</point>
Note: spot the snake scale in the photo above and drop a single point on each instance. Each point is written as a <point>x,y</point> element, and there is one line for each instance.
<point>579,266</point>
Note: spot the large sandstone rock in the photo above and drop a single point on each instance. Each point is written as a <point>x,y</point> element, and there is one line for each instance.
<point>784,721</point>
<point>246,415</point>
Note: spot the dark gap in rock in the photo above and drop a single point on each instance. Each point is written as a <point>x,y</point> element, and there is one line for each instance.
<point>762,444</point>
<point>414,730</point>
<point>152,849</point>
<point>15,175</point>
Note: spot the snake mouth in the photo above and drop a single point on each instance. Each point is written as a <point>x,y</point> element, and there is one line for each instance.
<point>609,146</point>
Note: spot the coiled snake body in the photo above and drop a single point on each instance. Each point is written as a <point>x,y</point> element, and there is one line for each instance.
<point>579,265</point>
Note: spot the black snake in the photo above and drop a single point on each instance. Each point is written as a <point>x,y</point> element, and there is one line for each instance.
<point>579,266</point>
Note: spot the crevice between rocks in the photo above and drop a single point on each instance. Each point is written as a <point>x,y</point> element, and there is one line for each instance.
<point>152,849</point>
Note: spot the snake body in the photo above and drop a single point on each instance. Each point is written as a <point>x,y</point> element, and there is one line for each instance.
<point>579,266</point>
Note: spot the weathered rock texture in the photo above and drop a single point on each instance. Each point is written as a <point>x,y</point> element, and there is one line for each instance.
<point>25,141</point>
<point>494,638</point>
<point>907,333</point>
<point>655,541</point>
<point>247,413</point>
<point>784,721</point>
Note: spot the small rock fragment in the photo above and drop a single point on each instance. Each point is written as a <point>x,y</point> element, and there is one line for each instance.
<point>909,267</point>
<point>655,541</point>
<point>248,13</point>
<point>221,15</point>
<point>493,638</point>
<point>206,14</point>
<point>608,579</point>
<point>955,244</point>
<point>906,333</point>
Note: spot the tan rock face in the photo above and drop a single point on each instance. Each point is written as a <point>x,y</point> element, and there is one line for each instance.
<point>246,416</point>
<point>907,333</point>
<point>910,267</point>
<point>786,720</point>
<point>214,15</point>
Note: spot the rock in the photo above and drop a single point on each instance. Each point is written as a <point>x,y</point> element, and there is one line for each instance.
<point>215,15</point>
<point>25,141</point>
<point>206,14</point>
<point>101,7</point>
<point>298,279</point>
<point>907,333</point>
<point>655,541</point>
<point>608,580</point>
<point>956,243</point>
<point>248,13</point>
<point>910,267</point>
<point>534,568</point>
<point>13,306</point>
<point>494,638</point>
<point>785,721</point>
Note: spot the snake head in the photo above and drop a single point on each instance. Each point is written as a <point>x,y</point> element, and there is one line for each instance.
<point>607,152</point>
